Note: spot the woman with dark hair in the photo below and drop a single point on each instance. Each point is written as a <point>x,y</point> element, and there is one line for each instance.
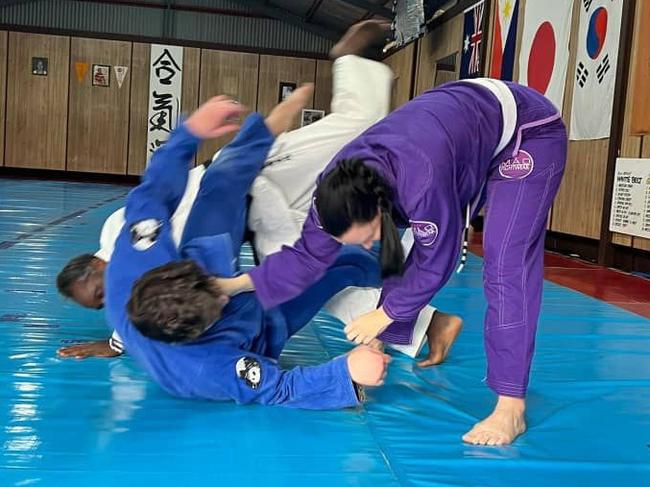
<point>430,166</point>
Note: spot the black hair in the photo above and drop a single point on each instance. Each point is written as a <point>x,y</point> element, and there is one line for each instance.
<point>353,193</point>
<point>175,302</point>
<point>77,268</point>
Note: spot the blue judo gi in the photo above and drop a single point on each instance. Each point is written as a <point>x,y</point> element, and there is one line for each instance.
<point>236,358</point>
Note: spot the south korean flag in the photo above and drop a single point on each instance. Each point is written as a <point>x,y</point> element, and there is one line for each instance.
<point>595,74</point>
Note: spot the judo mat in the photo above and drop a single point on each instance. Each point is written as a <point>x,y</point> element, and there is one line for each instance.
<point>101,422</point>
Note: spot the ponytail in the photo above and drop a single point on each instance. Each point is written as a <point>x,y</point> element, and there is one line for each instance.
<point>353,193</point>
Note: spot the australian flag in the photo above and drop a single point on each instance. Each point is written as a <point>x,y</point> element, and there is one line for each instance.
<point>470,64</point>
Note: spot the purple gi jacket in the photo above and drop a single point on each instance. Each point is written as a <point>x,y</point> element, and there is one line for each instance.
<point>435,153</point>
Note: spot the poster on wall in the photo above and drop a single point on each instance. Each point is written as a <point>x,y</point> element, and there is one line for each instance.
<point>505,39</point>
<point>101,75</point>
<point>165,94</point>
<point>544,57</point>
<point>470,64</point>
<point>310,116</point>
<point>630,212</point>
<point>39,66</point>
<point>285,90</point>
<point>595,75</point>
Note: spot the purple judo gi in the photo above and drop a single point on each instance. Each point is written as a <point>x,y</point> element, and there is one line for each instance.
<point>452,148</point>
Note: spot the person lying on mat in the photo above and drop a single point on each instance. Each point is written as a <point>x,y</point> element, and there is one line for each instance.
<point>192,339</point>
<point>281,198</point>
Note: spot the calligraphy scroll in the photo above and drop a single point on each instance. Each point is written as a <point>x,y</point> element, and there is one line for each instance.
<point>165,93</point>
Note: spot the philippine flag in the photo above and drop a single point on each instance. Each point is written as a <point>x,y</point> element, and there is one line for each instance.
<point>544,56</point>
<point>505,39</point>
<point>595,75</point>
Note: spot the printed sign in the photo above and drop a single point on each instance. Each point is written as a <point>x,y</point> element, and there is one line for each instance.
<point>631,199</point>
<point>165,90</point>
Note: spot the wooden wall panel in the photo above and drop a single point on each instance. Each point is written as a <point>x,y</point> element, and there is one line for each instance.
<point>630,145</point>
<point>37,106</point>
<point>191,81</point>
<point>402,65</point>
<point>140,61</point>
<point>98,127</point>
<point>323,88</point>
<point>227,73</point>
<point>579,203</point>
<point>277,69</point>
<point>3,91</point>
<point>640,111</point>
<point>444,41</point>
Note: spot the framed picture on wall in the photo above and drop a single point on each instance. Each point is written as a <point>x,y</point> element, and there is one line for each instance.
<point>39,66</point>
<point>285,90</point>
<point>310,116</point>
<point>101,75</point>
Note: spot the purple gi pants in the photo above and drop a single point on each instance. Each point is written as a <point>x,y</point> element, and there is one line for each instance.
<point>521,186</point>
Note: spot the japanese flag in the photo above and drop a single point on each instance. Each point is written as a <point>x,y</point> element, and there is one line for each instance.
<point>545,47</point>
<point>595,75</point>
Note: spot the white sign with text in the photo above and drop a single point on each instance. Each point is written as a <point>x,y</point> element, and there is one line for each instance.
<point>165,94</point>
<point>631,198</point>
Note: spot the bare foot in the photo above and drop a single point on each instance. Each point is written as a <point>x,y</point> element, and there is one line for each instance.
<point>360,37</point>
<point>506,422</point>
<point>376,344</point>
<point>283,115</point>
<point>441,335</point>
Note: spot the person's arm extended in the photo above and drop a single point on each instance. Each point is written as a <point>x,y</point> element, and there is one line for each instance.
<point>247,378</point>
<point>165,179</point>
<point>436,221</point>
<point>285,274</point>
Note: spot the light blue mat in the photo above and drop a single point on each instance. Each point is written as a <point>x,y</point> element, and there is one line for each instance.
<point>103,423</point>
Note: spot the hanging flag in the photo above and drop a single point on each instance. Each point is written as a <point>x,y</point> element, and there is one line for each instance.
<point>470,64</point>
<point>505,39</point>
<point>595,75</point>
<point>120,74</point>
<point>544,56</point>
<point>80,69</point>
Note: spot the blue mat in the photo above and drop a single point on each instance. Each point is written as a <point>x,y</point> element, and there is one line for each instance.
<point>102,422</point>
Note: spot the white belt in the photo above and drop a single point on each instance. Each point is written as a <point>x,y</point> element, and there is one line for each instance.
<point>509,113</point>
<point>508,108</point>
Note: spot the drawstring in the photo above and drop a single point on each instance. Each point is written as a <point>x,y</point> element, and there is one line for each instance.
<point>463,255</point>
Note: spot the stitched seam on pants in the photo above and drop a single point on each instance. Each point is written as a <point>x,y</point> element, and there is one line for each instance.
<point>509,326</point>
<point>504,246</point>
<point>506,385</point>
<point>524,274</point>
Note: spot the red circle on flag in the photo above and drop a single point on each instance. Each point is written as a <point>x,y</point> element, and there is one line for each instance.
<point>542,58</point>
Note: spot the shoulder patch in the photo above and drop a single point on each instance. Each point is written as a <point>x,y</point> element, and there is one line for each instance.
<point>145,233</point>
<point>424,232</point>
<point>249,370</point>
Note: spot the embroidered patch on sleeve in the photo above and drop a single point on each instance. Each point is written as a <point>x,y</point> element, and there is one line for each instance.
<point>424,232</point>
<point>145,233</point>
<point>250,371</point>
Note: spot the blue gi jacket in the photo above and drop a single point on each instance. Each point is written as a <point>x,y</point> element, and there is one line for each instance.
<point>235,359</point>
